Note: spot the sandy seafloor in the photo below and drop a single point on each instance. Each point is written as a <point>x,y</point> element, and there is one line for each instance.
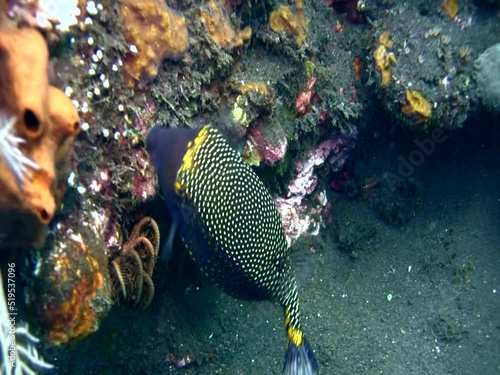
<point>435,323</point>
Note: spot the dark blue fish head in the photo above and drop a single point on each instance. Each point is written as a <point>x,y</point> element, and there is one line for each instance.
<point>167,147</point>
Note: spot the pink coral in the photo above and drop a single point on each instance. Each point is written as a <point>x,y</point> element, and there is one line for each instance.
<point>269,152</point>
<point>300,217</point>
<point>299,214</point>
<point>306,180</point>
<point>341,151</point>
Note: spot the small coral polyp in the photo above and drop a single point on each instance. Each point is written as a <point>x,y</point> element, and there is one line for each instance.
<point>155,32</point>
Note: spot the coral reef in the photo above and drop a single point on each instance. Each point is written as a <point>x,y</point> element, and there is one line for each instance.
<point>302,210</point>
<point>39,124</point>
<point>259,148</point>
<point>283,19</point>
<point>434,57</point>
<point>303,101</point>
<point>154,32</point>
<point>131,267</point>
<point>306,180</point>
<point>219,27</point>
<point>255,100</point>
<point>284,122</point>
<point>70,288</point>
<point>299,219</point>
<point>296,105</point>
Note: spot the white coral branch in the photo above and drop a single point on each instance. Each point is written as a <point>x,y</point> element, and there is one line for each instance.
<point>17,162</point>
<point>18,351</point>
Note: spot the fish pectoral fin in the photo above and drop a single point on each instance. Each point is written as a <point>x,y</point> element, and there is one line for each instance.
<point>168,246</point>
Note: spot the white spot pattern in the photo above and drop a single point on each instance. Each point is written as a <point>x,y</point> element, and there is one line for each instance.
<point>245,237</point>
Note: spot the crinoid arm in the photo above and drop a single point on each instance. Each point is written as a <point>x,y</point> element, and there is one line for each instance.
<point>300,359</point>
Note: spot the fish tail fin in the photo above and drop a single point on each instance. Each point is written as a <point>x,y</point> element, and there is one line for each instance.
<point>300,359</point>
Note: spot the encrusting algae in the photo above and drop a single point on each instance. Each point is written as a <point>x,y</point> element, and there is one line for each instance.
<point>155,32</point>
<point>219,26</point>
<point>239,111</point>
<point>252,101</point>
<point>257,87</point>
<point>70,293</point>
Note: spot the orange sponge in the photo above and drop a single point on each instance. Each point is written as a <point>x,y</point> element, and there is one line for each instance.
<point>220,28</point>
<point>154,32</point>
<point>38,124</point>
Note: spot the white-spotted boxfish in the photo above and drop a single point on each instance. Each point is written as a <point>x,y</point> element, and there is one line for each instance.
<point>229,225</point>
